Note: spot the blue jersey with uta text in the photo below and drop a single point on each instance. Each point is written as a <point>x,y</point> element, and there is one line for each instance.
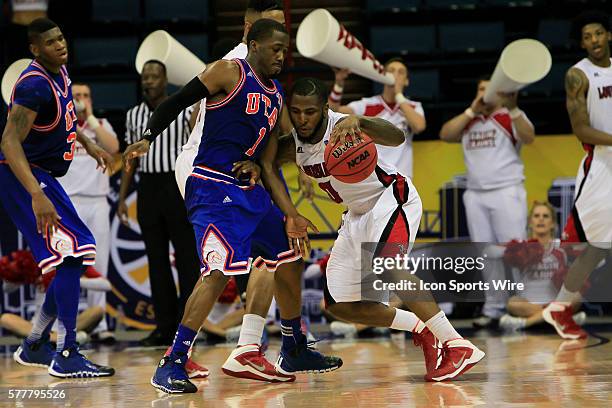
<point>239,131</point>
<point>50,142</point>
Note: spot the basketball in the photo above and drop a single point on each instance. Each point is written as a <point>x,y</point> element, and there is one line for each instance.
<point>351,162</point>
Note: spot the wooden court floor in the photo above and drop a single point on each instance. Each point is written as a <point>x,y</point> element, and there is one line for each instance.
<point>519,371</point>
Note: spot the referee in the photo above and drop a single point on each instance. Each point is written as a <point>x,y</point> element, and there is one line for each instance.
<point>161,210</point>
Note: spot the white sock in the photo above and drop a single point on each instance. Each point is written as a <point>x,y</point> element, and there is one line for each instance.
<point>404,320</point>
<point>251,330</point>
<point>565,296</point>
<point>441,328</point>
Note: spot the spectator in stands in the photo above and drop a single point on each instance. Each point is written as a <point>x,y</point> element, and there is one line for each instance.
<point>161,210</point>
<point>541,273</point>
<point>88,190</point>
<point>391,105</point>
<point>495,200</point>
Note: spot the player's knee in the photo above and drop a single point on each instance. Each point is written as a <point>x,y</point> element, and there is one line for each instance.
<point>216,278</point>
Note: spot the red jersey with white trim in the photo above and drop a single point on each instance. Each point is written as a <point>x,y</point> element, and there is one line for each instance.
<point>358,197</point>
<point>491,152</point>
<point>50,142</point>
<point>398,156</point>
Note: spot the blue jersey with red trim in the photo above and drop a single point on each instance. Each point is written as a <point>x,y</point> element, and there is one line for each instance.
<point>50,143</point>
<point>237,127</point>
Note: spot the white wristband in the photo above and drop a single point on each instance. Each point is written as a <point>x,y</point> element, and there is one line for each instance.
<point>93,122</point>
<point>338,89</point>
<point>515,113</point>
<point>400,98</point>
<point>469,113</point>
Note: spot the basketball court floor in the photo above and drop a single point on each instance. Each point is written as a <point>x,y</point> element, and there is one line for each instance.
<point>534,370</point>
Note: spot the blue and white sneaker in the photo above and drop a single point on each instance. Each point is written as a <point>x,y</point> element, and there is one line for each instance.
<point>303,358</point>
<point>171,376</point>
<point>37,354</point>
<point>72,364</point>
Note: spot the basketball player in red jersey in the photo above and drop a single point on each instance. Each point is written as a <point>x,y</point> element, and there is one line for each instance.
<point>588,87</point>
<point>384,208</point>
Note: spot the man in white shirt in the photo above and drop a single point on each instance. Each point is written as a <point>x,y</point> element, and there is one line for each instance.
<point>88,189</point>
<point>391,105</point>
<point>495,201</point>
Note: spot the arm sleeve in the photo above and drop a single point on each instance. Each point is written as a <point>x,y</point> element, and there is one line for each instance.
<point>33,92</point>
<point>167,112</point>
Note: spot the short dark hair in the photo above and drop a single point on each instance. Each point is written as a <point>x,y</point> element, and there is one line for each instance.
<point>264,28</point>
<point>395,59</point>
<point>308,87</point>
<point>260,6</point>
<point>588,17</point>
<point>158,62</point>
<point>39,26</point>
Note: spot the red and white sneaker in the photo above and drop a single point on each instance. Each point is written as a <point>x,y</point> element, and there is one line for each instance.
<point>194,370</point>
<point>458,356</point>
<point>432,348</point>
<point>560,316</point>
<point>248,361</point>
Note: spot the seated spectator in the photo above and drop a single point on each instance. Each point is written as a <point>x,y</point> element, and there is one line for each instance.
<point>541,264</point>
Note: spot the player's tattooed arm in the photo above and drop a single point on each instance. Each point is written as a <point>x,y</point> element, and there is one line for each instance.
<point>18,127</point>
<point>20,121</point>
<point>576,87</point>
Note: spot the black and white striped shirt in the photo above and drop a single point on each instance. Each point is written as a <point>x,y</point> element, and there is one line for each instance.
<point>166,147</point>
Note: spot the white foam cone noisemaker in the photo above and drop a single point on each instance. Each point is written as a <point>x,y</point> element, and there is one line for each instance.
<point>521,63</point>
<point>10,77</point>
<point>181,65</point>
<point>320,37</point>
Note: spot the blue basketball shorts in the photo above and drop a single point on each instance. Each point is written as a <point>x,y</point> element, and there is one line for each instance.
<point>228,216</point>
<point>71,239</point>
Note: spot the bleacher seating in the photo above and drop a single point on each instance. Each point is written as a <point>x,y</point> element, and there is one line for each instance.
<point>112,11</point>
<point>103,52</point>
<point>176,10</point>
<point>114,95</point>
<point>403,40</point>
<point>471,37</point>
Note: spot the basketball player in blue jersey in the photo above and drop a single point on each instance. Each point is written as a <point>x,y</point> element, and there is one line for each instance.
<point>37,146</point>
<point>225,204</point>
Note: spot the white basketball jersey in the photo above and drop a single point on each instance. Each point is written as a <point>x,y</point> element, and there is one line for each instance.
<point>599,100</point>
<point>240,51</point>
<point>358,197</point>
<point>491,152</point>
<point>83,177</point>
<point>398,156</point>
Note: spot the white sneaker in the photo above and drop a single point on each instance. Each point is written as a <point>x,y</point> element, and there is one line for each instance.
<point>512,323</point>
<point>343,329</point>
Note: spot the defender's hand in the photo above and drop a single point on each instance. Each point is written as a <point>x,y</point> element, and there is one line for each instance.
<point>297,231</point>
<point>135,150</point>
<point>245,167</point>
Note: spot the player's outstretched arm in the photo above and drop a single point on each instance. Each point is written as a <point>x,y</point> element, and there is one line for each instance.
<point>381,131</point>
<point>18,126</point>
<point>273,155</point>
<point>576,87</point>
<point>220,77</point>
